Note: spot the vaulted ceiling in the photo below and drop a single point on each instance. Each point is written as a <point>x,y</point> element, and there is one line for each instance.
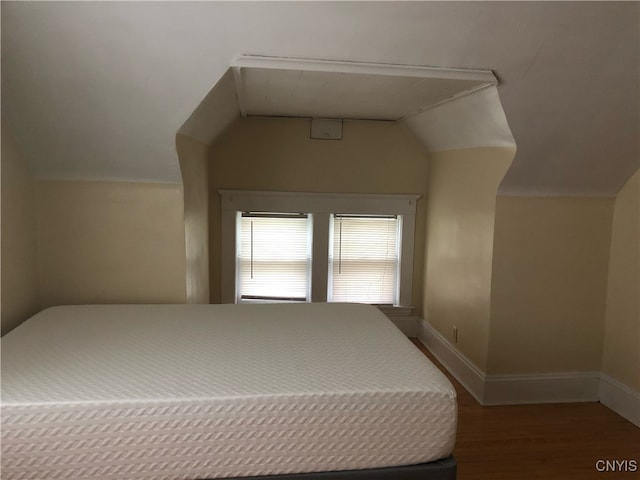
<point>98,90</point>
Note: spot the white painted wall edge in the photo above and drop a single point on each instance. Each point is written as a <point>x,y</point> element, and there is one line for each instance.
<point>213,115</point>
<point>531,389</point>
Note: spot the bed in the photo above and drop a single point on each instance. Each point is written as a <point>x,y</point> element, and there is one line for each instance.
<point>169,392</point>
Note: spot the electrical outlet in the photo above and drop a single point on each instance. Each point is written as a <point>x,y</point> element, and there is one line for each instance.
<point>455,334</point>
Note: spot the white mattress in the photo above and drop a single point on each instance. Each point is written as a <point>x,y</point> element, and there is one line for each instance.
<point>214,391</point>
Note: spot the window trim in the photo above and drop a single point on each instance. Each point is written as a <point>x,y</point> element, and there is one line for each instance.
<point>321,206</point>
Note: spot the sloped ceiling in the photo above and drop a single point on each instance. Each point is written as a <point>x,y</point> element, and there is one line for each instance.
<point>468,121</point>
<point>98,90</point>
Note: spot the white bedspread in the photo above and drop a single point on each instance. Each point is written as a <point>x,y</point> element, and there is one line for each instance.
<point>214,391</point>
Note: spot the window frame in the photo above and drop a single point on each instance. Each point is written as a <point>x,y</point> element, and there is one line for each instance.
<point>335,217</point>
<point>309,260</point>
<point>320,206</point>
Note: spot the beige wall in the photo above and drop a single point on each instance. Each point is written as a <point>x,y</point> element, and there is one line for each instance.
<point>278,155</point>
<point>621,352</point>
<point>19,283</point>
<point>193,156</point>
<point>109,242</point>
<point>549,284</point>
<point>460,215</point>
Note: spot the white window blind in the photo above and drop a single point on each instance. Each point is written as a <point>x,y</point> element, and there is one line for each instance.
<point>364,259</point>
<point>274,257</point>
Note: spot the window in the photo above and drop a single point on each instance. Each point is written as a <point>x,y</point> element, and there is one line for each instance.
<point>364,259</point>
<point>274,256</point>
<point>303,257</point>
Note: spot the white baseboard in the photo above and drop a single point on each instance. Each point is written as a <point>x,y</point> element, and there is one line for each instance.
<point>620,398</point>
<point>463,369</point>
<point>531,389</point>
<point>541,388</point>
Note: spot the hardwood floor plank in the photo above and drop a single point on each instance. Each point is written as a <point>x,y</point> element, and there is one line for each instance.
<point>548,441</point>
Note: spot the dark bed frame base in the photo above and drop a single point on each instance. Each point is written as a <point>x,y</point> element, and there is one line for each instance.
<point>444,469</point>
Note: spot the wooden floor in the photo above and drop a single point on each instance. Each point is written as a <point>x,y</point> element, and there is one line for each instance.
<point>552,441</point>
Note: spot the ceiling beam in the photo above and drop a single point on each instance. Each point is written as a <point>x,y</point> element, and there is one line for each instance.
<point>284,63</point>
